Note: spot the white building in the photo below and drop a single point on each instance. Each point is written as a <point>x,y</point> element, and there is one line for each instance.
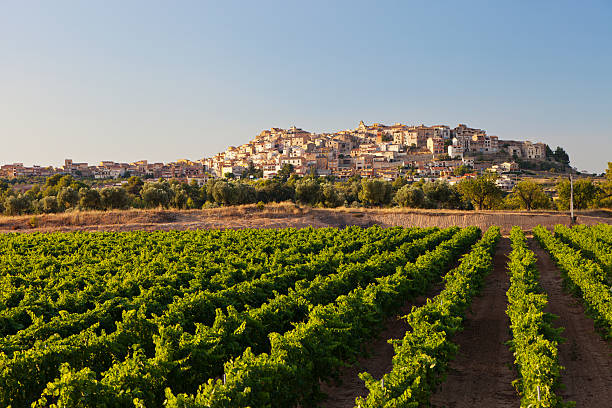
<point>455,151</point>
<point>505,183</point>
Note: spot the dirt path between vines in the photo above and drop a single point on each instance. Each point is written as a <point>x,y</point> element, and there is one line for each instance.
<point>587,358</point>
<point>379,362</point>
<point>480,375</point>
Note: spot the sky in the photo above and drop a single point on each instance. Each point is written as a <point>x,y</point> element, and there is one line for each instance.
<point>159,80</point>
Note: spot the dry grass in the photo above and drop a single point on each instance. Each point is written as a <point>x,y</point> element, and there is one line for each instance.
<point>287,215</point>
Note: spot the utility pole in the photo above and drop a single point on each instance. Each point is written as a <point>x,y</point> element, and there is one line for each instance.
<point>572,199</point>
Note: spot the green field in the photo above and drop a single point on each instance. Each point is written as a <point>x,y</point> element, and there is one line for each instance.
<point>260,318</point>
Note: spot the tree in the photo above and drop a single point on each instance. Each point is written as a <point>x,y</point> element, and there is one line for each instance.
<point>65,181</point>
<point>285,171</point>
<point>51,185</point>
<point>210,184</point>
<point>330,196</point>
<point>529,195</point>
<point>49,204</point>
<point>375,192</point>
<point>481,191</point>
<point>561,156</point>
<point>273,190</point>
<point>52,180</point>
<point>179,196</point>
<point>252,171</point>
<point>606,194</point>
<point>248,195</point>
<point>67,197</point>
<point>399,183</point>
<point>33,193</point>
<point>134,185</point>
<point>387,137</point>
<point>16,205</point>
<point>90,199</point>
<point>308,191</point>
<point>410,196</point>
<point>351,189</point>
<point>197,194</point>
<point>227,193</point>
<point>440,194</point>
<point>223,193</point>
<point>585,193</point>
<point>462,170</point>
<point>157,194</point>
<point>114,198</point>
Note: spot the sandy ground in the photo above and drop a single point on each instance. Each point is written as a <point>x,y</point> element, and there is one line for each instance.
<point>587,358</point>
<point>287,215</point>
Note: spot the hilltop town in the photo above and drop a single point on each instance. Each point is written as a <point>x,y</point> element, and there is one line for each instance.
<point>372,151</point>
<point>376,151</point>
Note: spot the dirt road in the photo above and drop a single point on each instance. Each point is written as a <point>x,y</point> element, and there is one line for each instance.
<point>586,357</point>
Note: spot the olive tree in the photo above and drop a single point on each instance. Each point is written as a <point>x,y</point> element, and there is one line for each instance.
<point>481,191</point>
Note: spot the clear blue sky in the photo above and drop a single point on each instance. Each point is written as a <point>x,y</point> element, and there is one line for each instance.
<point>163,80</point>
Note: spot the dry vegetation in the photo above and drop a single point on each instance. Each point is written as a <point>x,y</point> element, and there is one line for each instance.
<point>287,215</point>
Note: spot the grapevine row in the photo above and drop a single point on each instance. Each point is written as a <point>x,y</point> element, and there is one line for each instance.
<point>601,232</point>
<point>534,340</point>
<point>314,350</point>
<point>183,361</point>
<point>160,297</point>
<point>98,350</point>
<point>422,356</point>
<point>583,276</point>
<point>588,245</point>
<point>75,282</point>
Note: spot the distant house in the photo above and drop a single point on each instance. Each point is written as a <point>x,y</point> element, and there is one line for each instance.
<point>505,183</point>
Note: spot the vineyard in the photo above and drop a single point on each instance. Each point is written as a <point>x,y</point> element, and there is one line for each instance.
<point>273,317</point>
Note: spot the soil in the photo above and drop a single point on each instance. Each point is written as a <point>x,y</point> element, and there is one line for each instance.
<point>285,215</point>
<point>587,358</point>
<point>481,374</point>
<point>377,362</point>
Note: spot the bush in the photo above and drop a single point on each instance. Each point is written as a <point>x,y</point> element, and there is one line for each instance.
<point>33,222</point>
